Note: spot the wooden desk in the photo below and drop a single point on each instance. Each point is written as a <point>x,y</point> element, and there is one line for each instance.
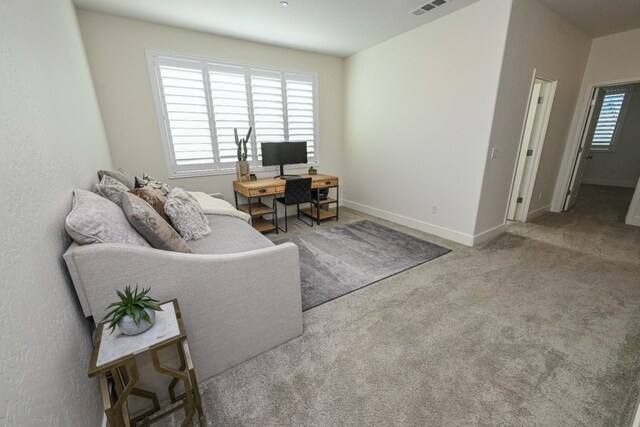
<point>274,187</point>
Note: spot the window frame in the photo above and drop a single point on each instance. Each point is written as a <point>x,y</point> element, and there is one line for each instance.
<point>154,57</point>
<point>611,148</point>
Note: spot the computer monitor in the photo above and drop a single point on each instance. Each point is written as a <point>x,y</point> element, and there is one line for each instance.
<point>284,153</point>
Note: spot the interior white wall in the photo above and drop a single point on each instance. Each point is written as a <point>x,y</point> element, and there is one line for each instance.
<point>116,51</point>
<point>418,114</point>
<point>620,168</point>
<point>538,40</point>
<point>612,59</point>
<point>52,141</point>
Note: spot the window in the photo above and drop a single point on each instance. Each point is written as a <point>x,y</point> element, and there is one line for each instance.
<point>200,102</point>
<point>611,116</point>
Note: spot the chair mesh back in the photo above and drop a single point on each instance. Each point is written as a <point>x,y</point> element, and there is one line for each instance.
<point>297,190</point>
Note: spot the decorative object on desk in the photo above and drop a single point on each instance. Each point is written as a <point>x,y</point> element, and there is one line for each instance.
<point>134,313</point>
<point>242,165</point>
<point>313,171</point>
<point>253,177</point>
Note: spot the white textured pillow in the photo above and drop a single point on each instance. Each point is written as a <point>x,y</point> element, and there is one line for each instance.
<point>94,219</point>
<point>186,215</point>
<point>112,189</point>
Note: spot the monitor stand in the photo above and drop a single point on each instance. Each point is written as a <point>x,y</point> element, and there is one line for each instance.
<point>283,176</point>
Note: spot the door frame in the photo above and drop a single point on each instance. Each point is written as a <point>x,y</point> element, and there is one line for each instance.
<point>574,141</point>
<point>528,190</point>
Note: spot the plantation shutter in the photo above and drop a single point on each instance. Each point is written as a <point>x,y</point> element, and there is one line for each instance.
<point>200,102</point>
<point>186,114</point>
<point>268,108</point>
<point>301,111</point>
<point>230,110</point>
<point>608,119</point>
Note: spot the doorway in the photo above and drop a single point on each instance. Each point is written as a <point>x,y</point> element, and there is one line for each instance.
<point>535,129</point>
<point>609,151</point>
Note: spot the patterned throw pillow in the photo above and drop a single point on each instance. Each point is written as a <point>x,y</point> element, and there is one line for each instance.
<point>122,175</point>
<point>154,198</point>
<point>112,189</point>
<point>94,219</point>
<point>186,215</point>
<point>151,226</point>
<point>151,182</point>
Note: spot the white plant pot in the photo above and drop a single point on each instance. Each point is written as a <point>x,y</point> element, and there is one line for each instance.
<point>128,327</point>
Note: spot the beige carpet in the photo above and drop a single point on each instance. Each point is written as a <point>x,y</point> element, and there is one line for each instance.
<point>539,327</point>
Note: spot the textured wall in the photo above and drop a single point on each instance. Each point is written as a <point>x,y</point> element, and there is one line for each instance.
<point>52,140</point>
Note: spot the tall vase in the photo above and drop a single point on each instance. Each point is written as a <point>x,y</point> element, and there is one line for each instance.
<point>242,171</point>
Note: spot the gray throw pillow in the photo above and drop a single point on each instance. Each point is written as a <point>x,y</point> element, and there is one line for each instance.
<point>150,224</point>
<point>122,175</point>
<point>111,189</point>
<point>94,219</point>
<point>150,182</point>
<point>186,215</point>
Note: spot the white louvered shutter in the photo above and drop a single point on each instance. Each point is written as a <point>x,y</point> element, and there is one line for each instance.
<point>301,111</point>
<point>608,119</point>
<point>230,110</point>
<point>268,108</point>
<point>186,114</point>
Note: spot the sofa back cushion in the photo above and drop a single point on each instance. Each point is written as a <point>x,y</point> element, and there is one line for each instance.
<point>150,224</point>
<point>94,219</point>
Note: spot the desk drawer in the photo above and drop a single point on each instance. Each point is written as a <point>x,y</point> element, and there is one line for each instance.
<point>255,192</point>
<point>325,183</point>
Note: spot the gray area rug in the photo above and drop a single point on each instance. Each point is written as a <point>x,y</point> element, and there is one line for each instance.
<point>340,260</point>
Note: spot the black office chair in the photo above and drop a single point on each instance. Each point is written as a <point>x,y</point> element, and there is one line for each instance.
<point>296,191</point>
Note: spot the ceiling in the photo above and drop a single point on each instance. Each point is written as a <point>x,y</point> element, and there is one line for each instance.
<point>335,27</point>
<point>598,18</point>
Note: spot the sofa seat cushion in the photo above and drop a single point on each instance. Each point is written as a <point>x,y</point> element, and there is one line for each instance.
<point>229,235</point>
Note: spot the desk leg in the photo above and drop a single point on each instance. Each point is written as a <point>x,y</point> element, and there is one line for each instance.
<point>235,195</point>
<point>337,202</point>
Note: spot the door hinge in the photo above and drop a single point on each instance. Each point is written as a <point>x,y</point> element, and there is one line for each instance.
<point>529,153</point>
<point>519,200</point>
<point>540,99</point>
<point>568,192</point>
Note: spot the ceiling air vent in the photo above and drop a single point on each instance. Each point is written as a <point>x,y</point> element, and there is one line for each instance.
<point>428,7</point>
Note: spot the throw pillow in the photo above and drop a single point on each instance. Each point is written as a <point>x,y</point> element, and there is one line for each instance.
<point>151,182</point>
<point>186,215</point>
<point>122,175</point>
<point>94,219</point>
<point>151,226</point>
<point>154,198</point>
<point>111,189</point>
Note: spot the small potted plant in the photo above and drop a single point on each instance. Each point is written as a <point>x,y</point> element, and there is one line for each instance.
<point>313,171</point>
<point>242,165</point>
<point>134,313</point>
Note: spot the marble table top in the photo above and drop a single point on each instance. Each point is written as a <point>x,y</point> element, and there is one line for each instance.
<point>116,345</point>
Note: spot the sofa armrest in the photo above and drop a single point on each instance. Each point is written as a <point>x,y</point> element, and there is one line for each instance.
<point>234,306</point>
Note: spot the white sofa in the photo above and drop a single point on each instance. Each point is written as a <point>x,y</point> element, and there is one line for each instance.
<point>238,292</point>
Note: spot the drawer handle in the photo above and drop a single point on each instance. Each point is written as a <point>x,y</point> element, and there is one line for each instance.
<point>262,190</point>
<point>327,182</point>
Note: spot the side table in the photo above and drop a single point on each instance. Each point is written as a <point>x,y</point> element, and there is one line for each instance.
<point>115,354</point>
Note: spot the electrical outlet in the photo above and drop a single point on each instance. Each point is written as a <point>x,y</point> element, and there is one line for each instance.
<point>434,209</point>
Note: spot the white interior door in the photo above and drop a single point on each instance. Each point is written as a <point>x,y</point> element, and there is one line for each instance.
<point>523,158</point>
<point>585,145</point>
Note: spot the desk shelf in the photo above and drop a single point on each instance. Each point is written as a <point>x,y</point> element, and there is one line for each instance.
<point>262,225</point>
<point>323,213</point>
<point>257,209</point>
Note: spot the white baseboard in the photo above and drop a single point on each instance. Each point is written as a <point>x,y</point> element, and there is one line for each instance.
<point>489,234</point>
<point>609,182</point>
<point>536,213</point>
<point>636,419</point>
<point>456,236</point>
<point>104,420</point>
